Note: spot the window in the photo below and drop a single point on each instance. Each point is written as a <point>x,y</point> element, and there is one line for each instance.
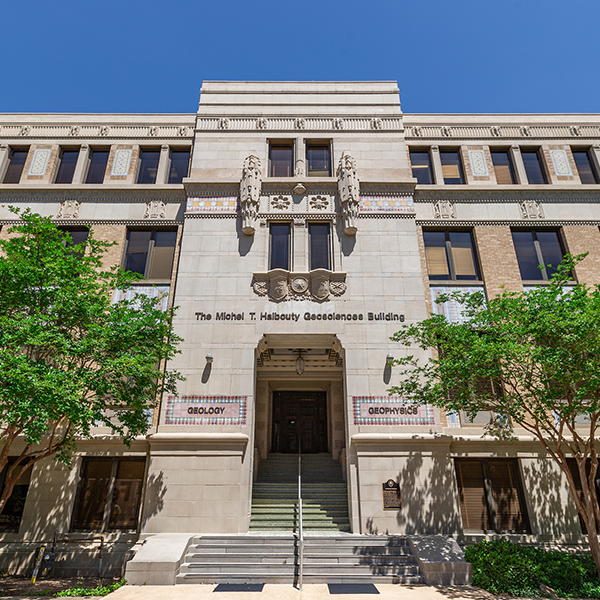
<point>318,160</point>
<point>503,167</point>
<point>491,495</point>
<point>180,164</point>
<point>533,167</point>
<point>584,167</point>
<point>10,517</point>
<point>319,246</point>
<point>97,169</point>
<point>537,249</point>
<point>572,464</point>
<point>150,252</point>
<point>452,167</point>
<point>148,166</point>
<point>109,494</point>
<point>280,246</point>
<point>66,169</point>
<point>15,167</point>
<point>281,160</point>
<point>450,255</point>
<point>421,166</point>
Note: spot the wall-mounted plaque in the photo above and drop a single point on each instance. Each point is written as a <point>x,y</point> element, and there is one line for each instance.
<point>391,495</point>
<point>390,410</point>
<point>206,410</point>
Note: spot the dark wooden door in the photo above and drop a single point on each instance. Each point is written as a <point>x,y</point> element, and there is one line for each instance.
<point>299,418</point>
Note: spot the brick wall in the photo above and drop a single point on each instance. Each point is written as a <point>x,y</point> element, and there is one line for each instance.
<point>111,233</point>
<point>580,239</point>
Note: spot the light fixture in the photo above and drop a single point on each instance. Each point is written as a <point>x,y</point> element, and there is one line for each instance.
<point>209,358</point>
<point>299,363</point>
<point>299,190</point>
<point>388,360</point>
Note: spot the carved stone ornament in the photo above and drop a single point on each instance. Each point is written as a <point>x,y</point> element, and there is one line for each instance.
<point>376,123</point>
<point>104,130</point>
<point>299,171</point>
<point>280,202</point>
<point>531,209</point>
<point>446,131</point>
<point>349,190</point>
<point>300,123</point>
<point>319,202</point>
<point>69,209</point>
<point>318,285</point>
<point>155,209</point>
<point>261,123</point>
<point>525,131</point>
<point>417,131</point>
<point>574,129</point>
<point>496,131</point>
<point>25,129</point>
<point>223,123</point>
<point>75,129</point>
<point>338,123</point>
<point>182,131</point>
<point>444,209</point>
<point>250,187</point>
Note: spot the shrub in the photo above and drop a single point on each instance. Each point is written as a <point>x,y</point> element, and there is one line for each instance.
<point>101,590</point>
<point>502,567</point>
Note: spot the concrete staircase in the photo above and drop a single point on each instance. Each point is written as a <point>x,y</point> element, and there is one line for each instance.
<point>274,559</point>
<point>275,495</point>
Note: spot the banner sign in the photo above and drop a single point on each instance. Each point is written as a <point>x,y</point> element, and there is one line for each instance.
<point>390,410</point>
<point>206,410</point>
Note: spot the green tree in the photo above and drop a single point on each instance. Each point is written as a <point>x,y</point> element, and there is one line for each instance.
<point>541,349</point>
<point>69,357</point>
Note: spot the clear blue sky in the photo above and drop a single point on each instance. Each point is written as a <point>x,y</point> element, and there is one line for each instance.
<point>447,56</point>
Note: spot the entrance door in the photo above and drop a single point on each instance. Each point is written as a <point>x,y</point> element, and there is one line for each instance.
<point>299,418</point>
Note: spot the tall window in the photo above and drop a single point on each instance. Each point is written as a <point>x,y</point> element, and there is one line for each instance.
<point>421,166</point>
<point>319,246</point>
<point>452,167</point>
<point>533,167</point>
<point>10,517</point>
<point>280,246</point>
<point>503,167</point>
<point>150,252</point>
<point>281,160</point>
<point>318,160</point>
<point>537,249</point>
<point>97,168</point>
<point>450,255</point>
<point>491,495</point>
<point>15,167</point>
<point>109,494</point>
<point>180,164</point>
<point>584,167</point>
<point>66,169</point>
<point>148,166</point>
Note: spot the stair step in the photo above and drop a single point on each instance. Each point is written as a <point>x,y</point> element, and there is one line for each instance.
<point>267,577</point>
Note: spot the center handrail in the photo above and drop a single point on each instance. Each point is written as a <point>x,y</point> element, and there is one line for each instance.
<point>300,529</point>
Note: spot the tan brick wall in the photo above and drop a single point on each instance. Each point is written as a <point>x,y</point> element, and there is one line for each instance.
<point>580,239</point>
<point>48,176</point>
<point>133,165</point>
<point>423,261</point>
<point>469,177</point>
<point>111,233</point>
<point>552,176</point>
<point>497,259</point>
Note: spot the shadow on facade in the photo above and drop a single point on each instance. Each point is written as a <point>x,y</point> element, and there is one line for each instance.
<point>155,494</point>
<point>244,241</point>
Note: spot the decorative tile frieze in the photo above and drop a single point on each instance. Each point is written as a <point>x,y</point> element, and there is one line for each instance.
<point>560,163</point>
<point>452,309</point>
<point>228,204</point>
<point>96,130</point>
<point>318,285</point>
<point>471,132</point>
<point>384,203</point>
<point>531,209</point>
<point>39,162</point>
<point>121,162</point>
<point>69,209</point>
<point>155,209</point>
<point>390,410</point>
<point>276,123</point>
<point>159,292</point>
<point>206,410</point>
<point>479,167</point>
<point>444,209</point>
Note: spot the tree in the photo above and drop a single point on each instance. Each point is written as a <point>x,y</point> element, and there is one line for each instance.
<point>542,350</point>
<point>69,357</point>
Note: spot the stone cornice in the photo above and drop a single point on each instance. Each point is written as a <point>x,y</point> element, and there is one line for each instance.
<point>129,222</point>
<point>124,194</point>
<point>547,194</point>
<point>308,124</point>
<point>108,133</point>
<point>526,223</point>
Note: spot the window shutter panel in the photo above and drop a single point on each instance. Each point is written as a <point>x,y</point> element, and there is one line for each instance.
<point>504,480</point>
<point>437,263</point>
<point>473,506</point>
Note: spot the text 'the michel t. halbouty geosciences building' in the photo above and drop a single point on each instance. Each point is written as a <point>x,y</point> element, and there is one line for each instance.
<point>297,226</point>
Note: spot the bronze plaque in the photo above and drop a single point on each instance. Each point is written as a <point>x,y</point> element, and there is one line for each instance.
<point>391,495</point>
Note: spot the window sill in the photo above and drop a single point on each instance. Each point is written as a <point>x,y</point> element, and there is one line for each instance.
<point>317,285</point>
<point>454,282</point>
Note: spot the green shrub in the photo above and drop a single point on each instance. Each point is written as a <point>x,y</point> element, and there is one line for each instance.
<point>502,567</point>
<point>101,590</point>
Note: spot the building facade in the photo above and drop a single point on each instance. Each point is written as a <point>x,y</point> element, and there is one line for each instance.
<point>297,226</point>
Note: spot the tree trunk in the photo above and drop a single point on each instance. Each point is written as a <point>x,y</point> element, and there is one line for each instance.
<point>593,541</point>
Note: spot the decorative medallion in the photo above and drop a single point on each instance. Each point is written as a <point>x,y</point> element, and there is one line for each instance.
<point>478,162</point>
<point>280,202</point>
<point>155,209</point>
<point>299,285</point>
<point>25,130</point>
<point>496,131</point>
<point>69,209</point>
<point>153,131</point>
<point>319,202</point>
<point>574,129</point>
<point>531,209</point>
<point>104,130</point>
<point>223,123</point>
<point>315,285</point>
<point>121,162</point>
<point>525,131</point>
<point>182,131</point>
<point>75,129</point>
<point>338,123</point>
<point>376,123</point>
<point>560,162</point>
<point>446,131</point>
<point>300,123</point>
<point>417,131</point>
<point>444,209</point>
<point>337,288</point>
<point>39,162</point>
<point>261,288</point>
<point>261,123</point>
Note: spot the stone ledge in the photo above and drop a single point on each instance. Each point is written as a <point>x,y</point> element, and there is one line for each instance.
<point>441,560</point>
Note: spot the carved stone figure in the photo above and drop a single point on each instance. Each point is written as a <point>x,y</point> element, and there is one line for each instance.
<point>69,209</point>
<point>153,131</point>
<point>444,209</point>
<point>104,130</point>
<point>75,129</point>
<point>349,190</point>
<point>299,171</point>
<point>531,209</point>
<point>250,187</point>
<point>320,287</point>
<point>155,209</point>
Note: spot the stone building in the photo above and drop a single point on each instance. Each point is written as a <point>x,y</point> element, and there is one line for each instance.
<point>297,226</point>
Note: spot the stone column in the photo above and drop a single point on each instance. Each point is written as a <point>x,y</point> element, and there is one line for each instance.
<point>518,166</point>
<point>595,158</point>
<point>164,163</point>
<point>82,164</point>
<point>4,160</point>
<point>436,165</point>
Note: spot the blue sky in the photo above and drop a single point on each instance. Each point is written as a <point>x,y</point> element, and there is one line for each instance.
<point>447,56</point>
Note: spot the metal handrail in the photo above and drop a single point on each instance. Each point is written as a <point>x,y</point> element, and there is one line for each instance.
<point>300,530</point>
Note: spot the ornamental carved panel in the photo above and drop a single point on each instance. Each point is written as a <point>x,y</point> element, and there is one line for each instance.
<point>318,285</point>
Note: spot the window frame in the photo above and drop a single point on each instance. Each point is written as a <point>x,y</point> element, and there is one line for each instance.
<point>314,144</point>
<point>329,266</point>
<point>285,143</point>
<point>24,149</point>
<point>60,164</point>
<point>587,151</point>
<point>290,245</point>
<point>450,259</point>
<point>140,161</point>
<point>541,162</point>
<point>89,164</point>
<point>176,150</point>
<point>427,151</point>
<point>538,251</point>
<point>149,252</point>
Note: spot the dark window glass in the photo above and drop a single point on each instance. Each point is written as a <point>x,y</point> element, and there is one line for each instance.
<point>451,167</point>
<point>15,168</point>
<point>535,249</point>
<point>533,167</point>
<point>572,463</point>
<point>491,495</point>
<point>66,169</point>
<point>450,255</point>
<point>10,517</point>
<point>109,494</point>
<point>180,163</point>
<point>74,237</point>
<point>318,160</point>
<point>148,166</point>
<point>150,253</point>
<point>584,167</point>
<point>281,159</point>
<point>98,160</point>
<point>421,166</point>
<point>503,167</point>
<point>319,245</point>
<point>280,246</point>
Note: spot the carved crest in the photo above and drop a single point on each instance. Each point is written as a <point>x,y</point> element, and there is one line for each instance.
<point>417,131</point>
<point>250,187</point>
<point>574,129</point>
<point>444,209</point>
<point>279,287</point>
<point>69,209</point>
<point>349,190</point>
<point>446,131</point>
<point>531,209</point>
<point>320,287</point>
<point>155,209</point>
<point>525,131</point>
